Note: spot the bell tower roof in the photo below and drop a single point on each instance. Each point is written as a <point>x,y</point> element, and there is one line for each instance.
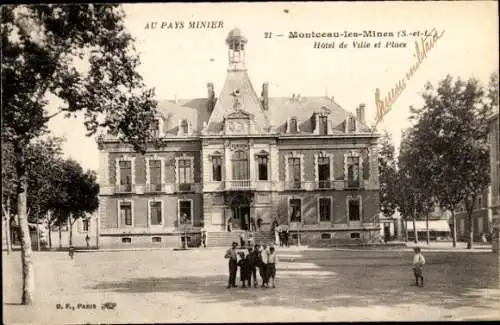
<point>235,35</point>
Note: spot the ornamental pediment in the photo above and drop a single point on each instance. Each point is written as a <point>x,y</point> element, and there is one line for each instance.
<point>239,114</point>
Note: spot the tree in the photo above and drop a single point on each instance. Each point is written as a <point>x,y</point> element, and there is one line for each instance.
<point>387,175</point>
<point>451,141</point>
<point>414,198</point>
<point>41,47</point>
<point>77,194</point>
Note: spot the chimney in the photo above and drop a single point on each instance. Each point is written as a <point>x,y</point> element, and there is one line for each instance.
<point>211,97</point>
<point>360,113</point>
<point>265,96</point>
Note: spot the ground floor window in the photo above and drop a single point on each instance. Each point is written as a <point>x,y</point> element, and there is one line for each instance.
<point>295,209</point>
<point>85,225</point>
<point>185,212</point>
<point>155,213</point>
<point>126,213</point>
<point>325,209</point>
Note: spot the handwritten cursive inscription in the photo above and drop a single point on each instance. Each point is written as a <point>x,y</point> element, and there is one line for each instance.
<point>422,49</point>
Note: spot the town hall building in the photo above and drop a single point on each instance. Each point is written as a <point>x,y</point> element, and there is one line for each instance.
<point>243,158</point>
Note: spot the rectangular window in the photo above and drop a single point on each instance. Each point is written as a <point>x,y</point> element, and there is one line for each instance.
<point>479,202</point>
<point>155,213</point>
<point>294,172</point>
<point>155,128</point>
<point>126,213</point>
<point>262,162</point>
<point>293,126</point>
<point>353,171</point>
<point>185,212</point>
<point>126,240</point>
<point>155,175</point>
<point>355,235</point>
<point>85,225</point>
<point>325,209</point>
<point>217,169</point>
<point>324,172</point>
<point>185,176</point>
<point>354,214</point>
<point>125,175</point>
<point>295,210</point>
<point>323,125</point>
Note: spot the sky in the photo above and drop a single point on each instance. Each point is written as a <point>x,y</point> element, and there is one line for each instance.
<point>179,62</point>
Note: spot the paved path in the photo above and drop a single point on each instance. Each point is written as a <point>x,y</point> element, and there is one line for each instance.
<point>313,285</point>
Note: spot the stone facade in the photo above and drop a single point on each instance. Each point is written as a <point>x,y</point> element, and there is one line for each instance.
<point>229,160</point>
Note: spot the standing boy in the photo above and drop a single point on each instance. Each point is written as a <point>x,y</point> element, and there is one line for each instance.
<point>231,254</point>
<point>271,265</point>
<point>418,266</point>
<point>264,259</point>
<point>253,262</point>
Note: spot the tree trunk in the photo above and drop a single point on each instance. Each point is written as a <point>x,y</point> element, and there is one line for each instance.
<point>415,232</point>
<point>49,226</point>
<point>427,228</point>
<point>470,227</point>
<point>60,235</point>
<point>70,226</point>
<point>454,230</point>
<point>406,230</point>
<point>24,233</point>
<point>7,226</point>
<point>37,237</point>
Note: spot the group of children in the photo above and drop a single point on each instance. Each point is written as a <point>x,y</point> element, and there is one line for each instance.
<point>250,259</point>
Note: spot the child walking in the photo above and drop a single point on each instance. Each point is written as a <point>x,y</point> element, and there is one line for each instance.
<point>418,266</point>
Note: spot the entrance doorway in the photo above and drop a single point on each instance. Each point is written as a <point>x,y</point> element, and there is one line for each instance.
<point>241,217</point>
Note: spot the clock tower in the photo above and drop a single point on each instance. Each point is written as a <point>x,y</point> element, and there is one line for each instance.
<point>236,43</point>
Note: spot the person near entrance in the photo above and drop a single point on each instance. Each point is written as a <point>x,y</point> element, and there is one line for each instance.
<point>264,259</point>
<point>246,226</point>
<point>253,263</point>
<point>252,224</point>
<point>232,256</point>
<point>244,267</point>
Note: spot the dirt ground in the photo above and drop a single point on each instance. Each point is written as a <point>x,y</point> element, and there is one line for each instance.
<point>313,285</point>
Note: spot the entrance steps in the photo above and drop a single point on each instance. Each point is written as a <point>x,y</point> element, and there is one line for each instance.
<point>226,238</point>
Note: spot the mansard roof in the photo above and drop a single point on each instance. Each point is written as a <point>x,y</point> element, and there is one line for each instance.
<point>280,110</point>
<point>237,93</point>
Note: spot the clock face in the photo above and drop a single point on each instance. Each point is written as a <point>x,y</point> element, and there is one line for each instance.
<point>237,127</point>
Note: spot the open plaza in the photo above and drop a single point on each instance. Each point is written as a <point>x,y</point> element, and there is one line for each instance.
<point>166,285</point>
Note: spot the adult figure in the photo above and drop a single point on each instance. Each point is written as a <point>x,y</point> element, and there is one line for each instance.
<point>242,239</point>
<point>243,264</point>
<point>264,259</point>
<point>203,237</point>
<point>252,223</point>
<point>229,224</point>
<point>253,263</point>
<point>287,236</point>
<point>87,240</point>
<point>247,222</point>
<point>232,256</point>
<point>259,223</point>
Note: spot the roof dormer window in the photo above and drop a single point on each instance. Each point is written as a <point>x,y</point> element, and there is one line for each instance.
<point>350,124</point>
<point>292,125</point>
<point>183,127</point>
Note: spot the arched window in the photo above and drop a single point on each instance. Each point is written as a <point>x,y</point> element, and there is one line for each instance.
<point>241,170</point>
<point>184,127</point>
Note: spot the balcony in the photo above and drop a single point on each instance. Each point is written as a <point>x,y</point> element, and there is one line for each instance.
<point>124,188</point>
<point>154,188</point>
<point>184,187</point>
<point>294,185</point>
<point>353,184</point>
<point>324,184</point>
<point>238,185</point>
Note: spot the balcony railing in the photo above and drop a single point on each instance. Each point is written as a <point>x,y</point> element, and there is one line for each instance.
<point>324,184</point>
<point>154,188</point>
<point>353,184</point>
<point>243,184</point>
<point>293,185</point>
<point>123,188</point>
<point>184,187</point>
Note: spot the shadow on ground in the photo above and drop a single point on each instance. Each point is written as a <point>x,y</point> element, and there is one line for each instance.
<point>322,279</point>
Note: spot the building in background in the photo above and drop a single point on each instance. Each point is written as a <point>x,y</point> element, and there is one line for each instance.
<point>494,189</point>
<point>480,217</point>
<point>241,159</point>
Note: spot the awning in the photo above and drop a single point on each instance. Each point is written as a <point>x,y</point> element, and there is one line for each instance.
<point>434,225</point>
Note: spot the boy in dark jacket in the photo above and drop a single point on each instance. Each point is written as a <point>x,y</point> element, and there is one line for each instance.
<point>253,263</point>
<point>243,264</point>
